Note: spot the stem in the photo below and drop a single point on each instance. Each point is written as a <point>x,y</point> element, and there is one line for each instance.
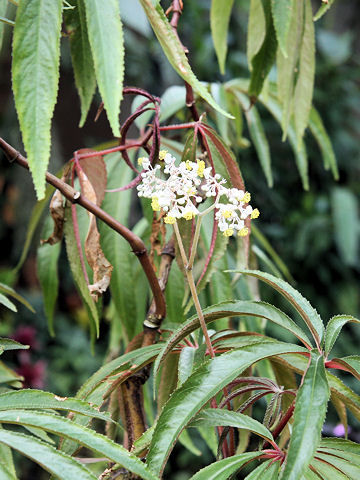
<point>191,282</point>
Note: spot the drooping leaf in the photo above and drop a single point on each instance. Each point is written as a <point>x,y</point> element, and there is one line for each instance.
<point>213,417</point>
<point>333,329</point>
<point>346,227</point>
<point>5,289</point>
<point>350,364</point>
<point>232,309</point>
<point>198,389</point>
<point>116,248</point>
<point>223,469</point>
<point>262,62</point>
<point>52,460</point>
<point>81,57</point>
<point>35,76</point>
<point>86,437</point>
<point>318,130</point>
<point>256,29</point>
<point>7,303</point>
<point>309,416</point>
<point>107,46</point>
<point>341,411</point>
<point>268,470</point>
<point>75,265</point>
<point>47,270</point>
<point>174,50</point>
<point>9,377</point>
<point>9,344</point>
<point>305,81</point>
<point>301,304</point>
<point>219,22</point>
<point>323,9</point>
<point>281,12</point>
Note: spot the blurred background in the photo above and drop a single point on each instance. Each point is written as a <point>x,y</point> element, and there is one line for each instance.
<point>316,233</point>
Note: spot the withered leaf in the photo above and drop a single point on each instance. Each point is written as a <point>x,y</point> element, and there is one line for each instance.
<point>93,177</point>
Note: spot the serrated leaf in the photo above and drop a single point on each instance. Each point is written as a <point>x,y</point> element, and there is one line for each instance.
<point>86,437</point>
<point>52,460</point>
<point>305,81</point>
<point>350,364</point>
<point>309,416</point>
<point>107,46</point>
<point>323,140</point>
<point>7,303</point>
<point>35,76</point>
<point>37,399</point>
<point>281,12</point>
<point>268,470</point>
<point>323,9</point>
<point>256,29</point>
<point>223,469</point>
<point>81,57</point>
<point>47,270</point>
<point>334,327</point>
<point>214,417</point>
<point>198,389</point>
<point>262,62</point>
<point>345,217</point>
<point>219,22</point>
<point>232,309</point>
<point>75,265</point>
<point>301,304</point>
<point>117,249</point>
<point>174,50</point>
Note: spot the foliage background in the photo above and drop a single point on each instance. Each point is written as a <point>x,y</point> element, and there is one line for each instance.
<point>316,232</point>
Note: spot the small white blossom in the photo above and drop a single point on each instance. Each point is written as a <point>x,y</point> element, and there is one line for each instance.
<point>179,193</point>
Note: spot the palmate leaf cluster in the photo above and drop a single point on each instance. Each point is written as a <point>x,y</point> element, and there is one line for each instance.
<point>191,390</point>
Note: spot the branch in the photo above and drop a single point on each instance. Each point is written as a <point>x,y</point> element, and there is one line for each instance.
<point>137,245</point>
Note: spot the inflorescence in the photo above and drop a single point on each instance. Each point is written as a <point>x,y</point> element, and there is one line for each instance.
<point>179,194</point>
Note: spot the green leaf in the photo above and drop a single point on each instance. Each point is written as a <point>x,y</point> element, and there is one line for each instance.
<point>11,293</point>
<point>52,460</point>
<point>281,12</point>
<point>345,394</point>
<point>333,329</point>
<point>81,57</point>
<point>262,62</point>
<point>7,462</point>
<point>323,9</point>
<point>35,76</point>
<point>172,100</point>
<point>266,471</point>
<point>301,304</point>
<point>75,265</point>
<point>47,261</point>
<point>214,417</point>
<point>260,142</point>
<point>350,363</point>
<point>287,65</point>
<point>223,469</point>
<point>117,250</point>
<point>219,22</point>
<point>3,8</point>
<point>305,81</point>
<point>322,138</point>
<point>86,437</point>
<point>174,51</point>
<point>309,416</point>
<point>186,363</point>
<point>37,399</point>
<point>345,217</point>
<point>198,389</point>
<point>9,344</point>
<point>107,46</point>
<point>5,473</point>
<point>232,309</point>
<point>344,467</point>
<point>174,293</point>
<point>7,303</point>
<point>9,377</point>
<point>326,470</point>
<point>256,29</point>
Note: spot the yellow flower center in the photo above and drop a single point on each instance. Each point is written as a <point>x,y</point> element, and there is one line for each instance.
<point>243,232</point>
<point>188,165</point>
<point>227,213</point>
<point>246,197</point>
<point>162,154</point>
<point>255,213</point>
<point>188,215</point>
<point>140,160</point>
<point>201,167</point>
<point>170,220</point>
<point>229,232</point>
<point>155,204</point>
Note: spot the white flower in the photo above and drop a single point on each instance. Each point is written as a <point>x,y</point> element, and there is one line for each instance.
<point>178,193</point>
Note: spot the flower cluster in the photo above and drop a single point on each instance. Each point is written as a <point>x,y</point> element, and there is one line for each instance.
<point>179,193</point>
